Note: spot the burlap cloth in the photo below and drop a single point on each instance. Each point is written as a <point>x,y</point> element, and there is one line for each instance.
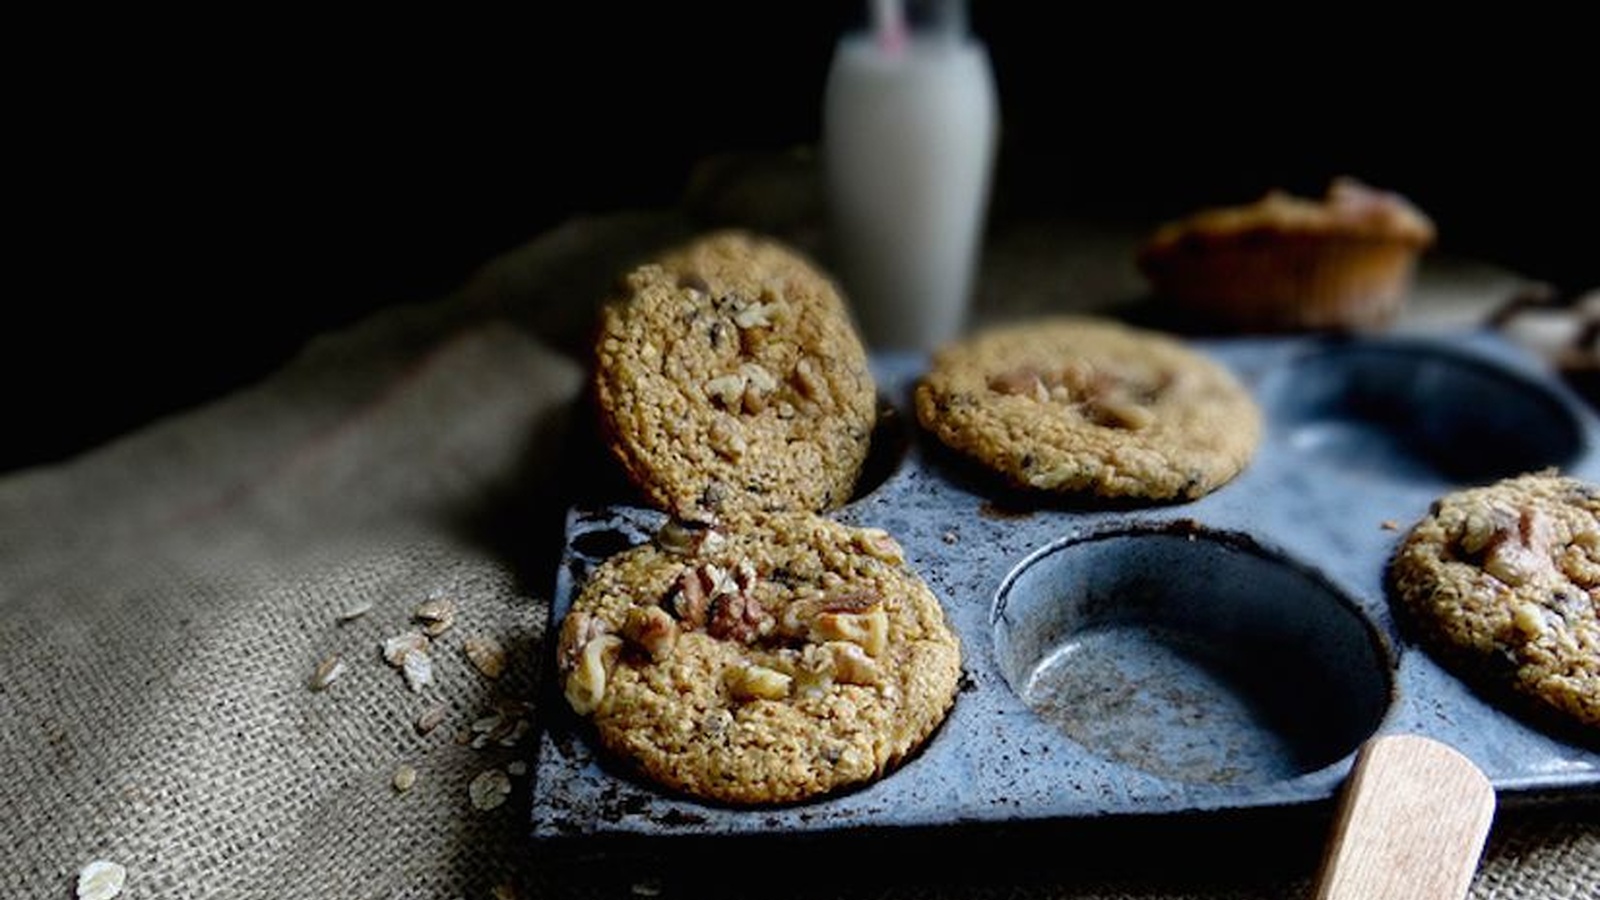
<point>166,598</point>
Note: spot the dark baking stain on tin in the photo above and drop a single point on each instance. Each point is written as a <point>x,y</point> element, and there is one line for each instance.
<point>602,543</point>
<point>992,510</point>
<point>677,818</point>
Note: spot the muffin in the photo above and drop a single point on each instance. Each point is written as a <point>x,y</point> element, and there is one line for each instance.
<point>772,662</point>
<point>1286,263</point>
<point>728,376</point>
<point>1501,582</point>
<point>1081,405</point>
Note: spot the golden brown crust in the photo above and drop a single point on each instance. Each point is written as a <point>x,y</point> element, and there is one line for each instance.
<point>773,662</point>
<point>1284,262</point>
<point>1350,210</point>
<point>1077,404</point>
<point>728,377</point>
<point>1503,583</point>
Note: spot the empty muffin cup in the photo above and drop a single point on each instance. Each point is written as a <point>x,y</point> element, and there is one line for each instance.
<point>1193,655</point>
<point>1415,412</point>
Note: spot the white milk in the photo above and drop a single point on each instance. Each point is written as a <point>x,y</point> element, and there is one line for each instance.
<point>908,148</point>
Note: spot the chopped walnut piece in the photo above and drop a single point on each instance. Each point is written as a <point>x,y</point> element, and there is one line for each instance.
<point>759,386</point>
<point>735,616</point>
<point>744,575</point>
<point>1529,619</point>
<point>726,438</point>
<point>798,616</point>
<point>577,630</point>
<point>727,390</point>
<point>1482,525</point>
<point>1116,412</point>
<point>879,544</point>
<point>795,618</point>
<point>869,630</point>
<point>1518,550</point>
<point>586,686</point>
<point>652,630</point>
<point>689,600</point>
<point>852,665</point>
<point>754,682</point>
<point>1024,381</point>
<point>755,315</point>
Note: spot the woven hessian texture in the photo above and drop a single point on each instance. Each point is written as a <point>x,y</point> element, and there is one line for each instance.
<point>168,596</point>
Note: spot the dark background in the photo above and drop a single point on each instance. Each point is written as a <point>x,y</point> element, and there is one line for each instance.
<point>198,196</point>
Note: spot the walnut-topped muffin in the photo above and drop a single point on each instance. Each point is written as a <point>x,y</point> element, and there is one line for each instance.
<point>729,377</point>
<point>776,661</point>
<point>1502,581</point>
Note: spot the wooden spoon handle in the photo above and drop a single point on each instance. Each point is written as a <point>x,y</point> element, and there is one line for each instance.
<point>1412,821</point>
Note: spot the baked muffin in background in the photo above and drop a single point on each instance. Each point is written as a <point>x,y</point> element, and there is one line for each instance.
<point>1287,263</point>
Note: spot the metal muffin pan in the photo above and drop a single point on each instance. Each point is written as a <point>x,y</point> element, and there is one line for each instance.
<point>1228,653</point>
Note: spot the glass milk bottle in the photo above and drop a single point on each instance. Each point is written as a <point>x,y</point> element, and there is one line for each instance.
<point>910,125</point>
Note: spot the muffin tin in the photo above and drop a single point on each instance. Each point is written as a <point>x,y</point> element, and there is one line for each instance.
<point>1228,653</point>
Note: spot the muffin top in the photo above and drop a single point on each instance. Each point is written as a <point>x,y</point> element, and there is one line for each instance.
<point>1087,405</point>
<point>1350,209</point>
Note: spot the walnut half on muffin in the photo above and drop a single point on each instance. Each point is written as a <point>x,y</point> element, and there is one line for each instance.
<point>1286,263</point>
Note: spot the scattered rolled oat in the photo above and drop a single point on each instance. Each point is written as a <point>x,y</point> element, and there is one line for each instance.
<point>517,768</point>
<point>430,719</point>
<point>327,672</point>
<point>436,614</point>
<point>357,611</point>
<point>418,669</point>
<point>101,880</point>
<point>1389,525</point>
<point>486,654</point>
<point>516,734</point>
<point>395,649</point>
<point>489,789</point>
<point>404,777</point>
